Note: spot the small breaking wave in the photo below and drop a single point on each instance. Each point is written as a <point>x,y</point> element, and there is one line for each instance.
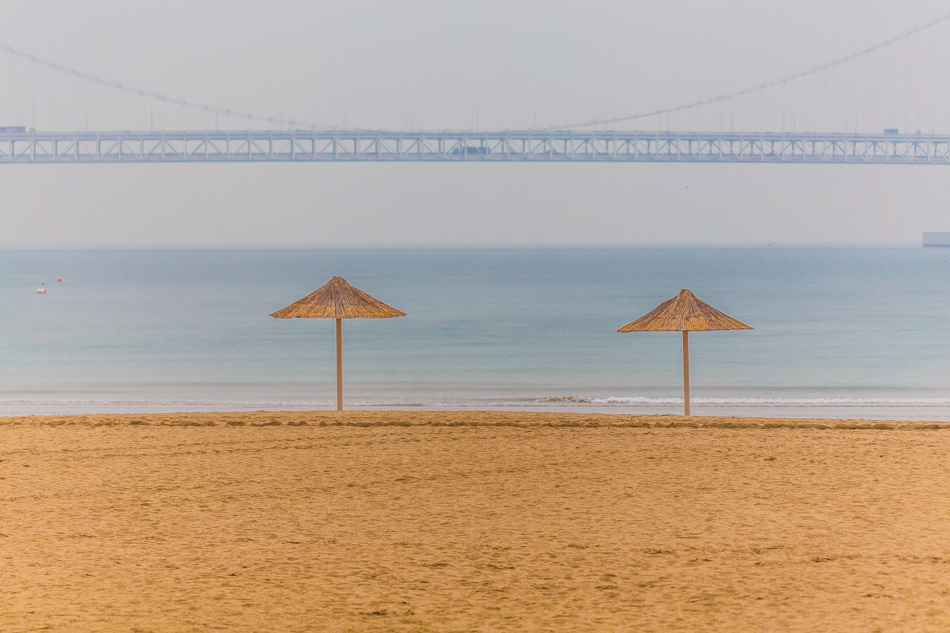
<point>916,408</point>
<point>752,402</point>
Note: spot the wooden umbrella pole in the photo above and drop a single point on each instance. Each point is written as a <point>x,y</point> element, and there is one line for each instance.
<point>339,364</point>
<point>686,370</point>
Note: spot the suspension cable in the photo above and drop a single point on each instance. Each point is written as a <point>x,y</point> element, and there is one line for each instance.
<point>770,84</point>
<point>157,96</point>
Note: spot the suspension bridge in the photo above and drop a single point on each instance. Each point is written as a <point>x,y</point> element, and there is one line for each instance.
<point>851,92</point>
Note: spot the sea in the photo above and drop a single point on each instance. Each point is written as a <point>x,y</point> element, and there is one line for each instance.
<point>838,332</point>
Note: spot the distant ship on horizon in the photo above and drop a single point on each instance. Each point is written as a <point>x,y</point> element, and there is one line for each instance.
<point>936,238</point>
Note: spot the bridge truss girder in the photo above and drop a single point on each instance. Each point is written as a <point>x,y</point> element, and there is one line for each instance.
<point>504,146</point>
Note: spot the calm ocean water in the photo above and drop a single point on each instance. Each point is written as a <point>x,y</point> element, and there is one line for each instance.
<point>838,332</point>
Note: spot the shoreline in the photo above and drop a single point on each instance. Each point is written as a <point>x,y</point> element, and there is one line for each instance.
<point>460,418</point>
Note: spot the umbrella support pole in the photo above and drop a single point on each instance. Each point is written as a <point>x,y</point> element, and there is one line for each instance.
<point>339,364</point>
<point>686,371</point>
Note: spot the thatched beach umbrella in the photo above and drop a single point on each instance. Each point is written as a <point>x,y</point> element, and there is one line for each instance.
<point>338,300</point>
<point>684,313</point>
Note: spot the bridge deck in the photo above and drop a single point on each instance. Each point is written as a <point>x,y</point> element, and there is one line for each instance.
<point>497,146</point>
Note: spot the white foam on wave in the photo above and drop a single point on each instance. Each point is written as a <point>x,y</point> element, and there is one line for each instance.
<point>755,402</point>
<point>162,404</point>
<point>806,406</point>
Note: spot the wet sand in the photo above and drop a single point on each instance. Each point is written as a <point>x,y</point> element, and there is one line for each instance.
<point>472,521</point>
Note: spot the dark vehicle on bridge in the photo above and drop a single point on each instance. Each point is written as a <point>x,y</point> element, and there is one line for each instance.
<point>471,150</point>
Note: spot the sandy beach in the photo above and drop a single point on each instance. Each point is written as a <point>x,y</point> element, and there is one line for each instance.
<point>472,521</point>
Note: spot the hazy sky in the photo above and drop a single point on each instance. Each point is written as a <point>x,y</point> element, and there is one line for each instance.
<point>495,64</point>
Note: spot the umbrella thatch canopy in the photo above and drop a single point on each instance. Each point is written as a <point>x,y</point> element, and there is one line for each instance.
<point>338,300</point>
<point>684,313</point>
